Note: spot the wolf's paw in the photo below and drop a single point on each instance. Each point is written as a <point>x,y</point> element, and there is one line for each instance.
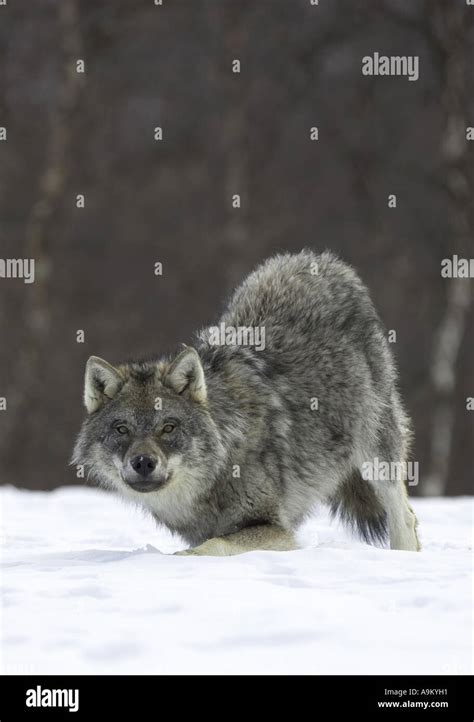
<point>210,548</point>
<point>185,553</point>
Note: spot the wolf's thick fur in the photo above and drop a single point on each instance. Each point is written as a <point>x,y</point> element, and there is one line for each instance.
<point>244,443</point>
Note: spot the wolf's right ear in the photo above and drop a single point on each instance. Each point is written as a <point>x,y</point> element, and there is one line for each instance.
<point>186,374</point>
<point>102,381</point>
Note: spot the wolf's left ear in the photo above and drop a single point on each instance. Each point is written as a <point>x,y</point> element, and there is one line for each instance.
<point>187,374</point>
<point>101,383</point>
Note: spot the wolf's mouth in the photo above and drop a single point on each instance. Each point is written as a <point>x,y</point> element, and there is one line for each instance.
<point>145,486</point>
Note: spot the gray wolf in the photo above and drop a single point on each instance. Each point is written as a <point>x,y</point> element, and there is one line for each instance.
<point>233,447</point>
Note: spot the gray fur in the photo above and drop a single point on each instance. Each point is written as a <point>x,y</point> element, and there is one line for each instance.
<point>242,409</point>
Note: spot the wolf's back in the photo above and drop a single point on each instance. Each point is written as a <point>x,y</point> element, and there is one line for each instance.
<point>295,297</point>
<point>323,339</point>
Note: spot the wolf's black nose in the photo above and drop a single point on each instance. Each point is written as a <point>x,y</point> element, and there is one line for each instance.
<point>143,465</point>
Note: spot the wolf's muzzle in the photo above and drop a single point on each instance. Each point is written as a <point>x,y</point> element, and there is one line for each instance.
<point>142,474</point>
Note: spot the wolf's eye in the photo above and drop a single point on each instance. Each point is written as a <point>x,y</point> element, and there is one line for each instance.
<point>121,429</point>
<point>168,428</point>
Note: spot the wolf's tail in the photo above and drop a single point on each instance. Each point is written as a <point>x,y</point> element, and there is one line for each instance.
<point>357,506</point>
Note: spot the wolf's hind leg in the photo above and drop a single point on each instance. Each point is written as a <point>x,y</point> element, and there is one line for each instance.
<point>262,536</point>
<point>402,522</point>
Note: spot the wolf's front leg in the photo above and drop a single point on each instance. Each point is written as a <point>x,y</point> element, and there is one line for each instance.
<point>265,536</point>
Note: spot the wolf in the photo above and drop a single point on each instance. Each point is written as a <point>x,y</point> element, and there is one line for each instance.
<point>233,447</point>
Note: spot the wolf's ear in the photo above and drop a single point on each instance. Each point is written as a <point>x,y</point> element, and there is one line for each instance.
<point>187,374</point>
<point>102,382</point>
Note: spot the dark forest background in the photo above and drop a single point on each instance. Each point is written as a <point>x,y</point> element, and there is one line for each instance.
<point>170,201</point>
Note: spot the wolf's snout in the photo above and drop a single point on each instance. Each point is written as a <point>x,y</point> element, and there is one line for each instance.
<point>143,465</point>
<point>145,473</point>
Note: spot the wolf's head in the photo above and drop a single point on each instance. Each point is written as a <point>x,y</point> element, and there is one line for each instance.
<point>148,429</point>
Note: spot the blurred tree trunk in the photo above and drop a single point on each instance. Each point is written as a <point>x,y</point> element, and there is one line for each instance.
<point>448,25</point>
<point>37,308</point>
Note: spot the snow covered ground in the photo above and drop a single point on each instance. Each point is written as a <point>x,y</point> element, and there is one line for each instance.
<point>85,589</point>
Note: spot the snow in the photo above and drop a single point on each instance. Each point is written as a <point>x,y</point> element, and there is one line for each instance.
<point>85,590</point>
